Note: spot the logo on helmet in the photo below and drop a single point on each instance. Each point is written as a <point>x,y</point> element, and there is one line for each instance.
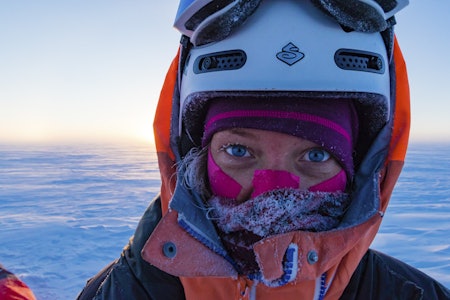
<point>290,54</point>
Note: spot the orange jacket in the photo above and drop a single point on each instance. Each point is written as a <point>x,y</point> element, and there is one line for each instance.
<point>12,288</point>
<point>205,271</point>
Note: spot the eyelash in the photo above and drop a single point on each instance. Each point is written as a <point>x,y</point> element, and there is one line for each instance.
<point>226,148</point>
<point>326,154</point>
<point>306,156</point>
<point>229,145</point>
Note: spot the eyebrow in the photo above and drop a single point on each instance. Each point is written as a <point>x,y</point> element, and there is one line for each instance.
<point>243,132</point>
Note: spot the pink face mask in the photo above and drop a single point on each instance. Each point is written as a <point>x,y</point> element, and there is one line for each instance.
<point>266,180</point>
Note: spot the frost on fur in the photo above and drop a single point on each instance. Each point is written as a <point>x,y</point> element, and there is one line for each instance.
<point>281,211</point>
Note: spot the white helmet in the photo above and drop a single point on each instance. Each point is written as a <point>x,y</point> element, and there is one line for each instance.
<point>289,47</point>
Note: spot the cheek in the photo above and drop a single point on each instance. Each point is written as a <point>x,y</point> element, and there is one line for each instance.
<point>220,183</point>
<point>337,183</point>
<point>223,185</point>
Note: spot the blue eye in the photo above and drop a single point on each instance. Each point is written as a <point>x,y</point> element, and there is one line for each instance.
<point>237,150</point>
<point>317,155</point>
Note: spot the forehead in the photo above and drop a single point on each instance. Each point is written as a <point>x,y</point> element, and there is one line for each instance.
<point>269,137</point>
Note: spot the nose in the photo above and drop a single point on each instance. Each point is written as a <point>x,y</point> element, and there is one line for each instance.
<point>268,180</point>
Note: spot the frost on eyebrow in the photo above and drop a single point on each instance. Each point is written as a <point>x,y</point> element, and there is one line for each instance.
<point>281,211</point>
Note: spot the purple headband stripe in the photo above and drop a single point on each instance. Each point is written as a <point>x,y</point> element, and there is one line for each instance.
<point>280,115</point>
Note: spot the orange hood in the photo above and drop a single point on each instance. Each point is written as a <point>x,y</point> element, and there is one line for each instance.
<point>339,251</point>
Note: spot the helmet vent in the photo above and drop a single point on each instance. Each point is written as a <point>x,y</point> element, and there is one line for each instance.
<point>357,60</point>
<point>220,61</point>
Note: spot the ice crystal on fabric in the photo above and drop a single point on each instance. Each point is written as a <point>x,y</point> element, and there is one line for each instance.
<point>281,211</point>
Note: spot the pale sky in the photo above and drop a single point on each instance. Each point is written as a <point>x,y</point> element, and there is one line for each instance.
<point>91,70</point>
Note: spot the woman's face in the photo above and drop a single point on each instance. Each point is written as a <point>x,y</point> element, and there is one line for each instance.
<point>239,152</point>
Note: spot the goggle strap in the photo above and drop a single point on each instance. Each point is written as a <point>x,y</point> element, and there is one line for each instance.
<point>220,24</point>
<point>401,4</point>
<point>185,46</point>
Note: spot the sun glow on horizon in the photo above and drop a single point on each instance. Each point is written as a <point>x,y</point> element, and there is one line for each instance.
<point>45,135</point>
<point>99,80</point>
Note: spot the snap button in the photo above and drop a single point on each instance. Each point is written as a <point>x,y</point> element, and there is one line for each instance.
<point>169,250</point>
<point>313,257</point>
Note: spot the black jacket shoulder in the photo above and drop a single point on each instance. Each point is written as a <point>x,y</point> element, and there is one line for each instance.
<point>380,276</point>
<point>124,278</point>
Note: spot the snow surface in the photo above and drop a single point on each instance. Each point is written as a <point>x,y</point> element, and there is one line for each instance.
<point>67,211</point>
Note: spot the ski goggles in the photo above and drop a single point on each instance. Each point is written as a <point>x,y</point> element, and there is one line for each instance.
<point>206,21</point>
